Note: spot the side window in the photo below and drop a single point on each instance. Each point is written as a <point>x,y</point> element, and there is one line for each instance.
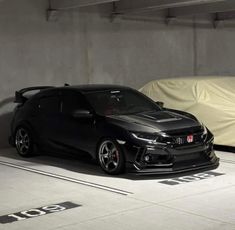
<point>72,102</point>
<point>49,105</point>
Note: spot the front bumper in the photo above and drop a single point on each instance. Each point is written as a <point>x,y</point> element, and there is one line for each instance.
<point>174,169</point>
<point>170,159</point>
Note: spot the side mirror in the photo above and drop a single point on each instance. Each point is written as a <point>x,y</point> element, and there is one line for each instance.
<point>82,113</point>
<point>160,103</point>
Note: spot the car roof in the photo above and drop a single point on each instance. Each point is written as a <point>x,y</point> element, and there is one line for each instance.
<point>96,87</point>
<point>83,89</point>
<point>88,88</point>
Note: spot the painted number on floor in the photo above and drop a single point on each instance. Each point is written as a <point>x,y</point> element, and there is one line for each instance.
<point>35,212</point>
<point>190,178</point>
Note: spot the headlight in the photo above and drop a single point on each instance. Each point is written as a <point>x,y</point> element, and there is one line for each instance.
<point>145,136</point>
<point>204,130</point>
<point>151,138</point>
<point>204,134</point>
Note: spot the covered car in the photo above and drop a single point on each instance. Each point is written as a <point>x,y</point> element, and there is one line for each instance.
<point>210,99</point>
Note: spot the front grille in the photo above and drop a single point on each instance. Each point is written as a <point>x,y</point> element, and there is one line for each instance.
<point>187,137</point>
<point>184,140</point>
<point>190,160</point>
<point>186,131</point>
<point>189,157</point>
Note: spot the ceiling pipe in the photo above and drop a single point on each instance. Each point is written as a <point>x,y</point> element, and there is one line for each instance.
<point>139,6</point>
<point>72,4</point>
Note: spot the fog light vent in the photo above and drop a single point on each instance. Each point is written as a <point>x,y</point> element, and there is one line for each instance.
<point>147,158</point>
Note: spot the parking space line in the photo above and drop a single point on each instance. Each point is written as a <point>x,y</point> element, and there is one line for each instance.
<point>82,182</point>
<point>227,161</point>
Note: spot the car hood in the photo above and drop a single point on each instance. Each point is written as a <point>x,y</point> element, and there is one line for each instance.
<point>153,121</point>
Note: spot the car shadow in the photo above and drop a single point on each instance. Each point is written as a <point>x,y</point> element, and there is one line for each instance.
<point>225,148</point>
<point>76,163</point>
<point>81,164</point>
<point>5,120</point>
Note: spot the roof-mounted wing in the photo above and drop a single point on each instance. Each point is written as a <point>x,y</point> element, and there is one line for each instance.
<point>19,95</point>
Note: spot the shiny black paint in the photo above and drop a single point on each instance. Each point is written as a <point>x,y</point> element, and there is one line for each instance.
<point>66,132</point>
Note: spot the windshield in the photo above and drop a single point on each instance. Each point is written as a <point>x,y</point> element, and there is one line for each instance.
<point>120,102</point>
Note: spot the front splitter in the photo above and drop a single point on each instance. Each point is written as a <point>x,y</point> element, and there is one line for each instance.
<point>172,170</point>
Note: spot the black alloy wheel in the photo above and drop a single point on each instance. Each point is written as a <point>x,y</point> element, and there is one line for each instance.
<point>23,142</point>
<point>110,157</point>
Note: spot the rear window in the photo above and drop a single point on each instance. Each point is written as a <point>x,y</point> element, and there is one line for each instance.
<point>49,105</point>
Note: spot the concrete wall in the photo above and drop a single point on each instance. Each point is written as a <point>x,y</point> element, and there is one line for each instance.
<point>83,47</point>
<point>133,52</point>
<point>35,52</point>
<point>215,49</point>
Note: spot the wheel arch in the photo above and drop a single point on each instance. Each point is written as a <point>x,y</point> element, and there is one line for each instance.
<point>24,124</point>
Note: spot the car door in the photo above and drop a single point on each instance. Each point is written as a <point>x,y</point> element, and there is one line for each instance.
<point>48,120</point>
<point>74,132</point>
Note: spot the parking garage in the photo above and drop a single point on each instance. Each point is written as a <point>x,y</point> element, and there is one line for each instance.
<point>128,43</point>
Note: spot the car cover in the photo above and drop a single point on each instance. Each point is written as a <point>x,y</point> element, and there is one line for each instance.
<point>210,99</point>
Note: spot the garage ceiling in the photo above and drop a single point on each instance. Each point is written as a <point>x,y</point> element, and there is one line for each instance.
<point>70,4</point>
<point>175,8</point>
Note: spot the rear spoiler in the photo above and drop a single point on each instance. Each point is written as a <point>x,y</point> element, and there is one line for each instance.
<point>19,95</point>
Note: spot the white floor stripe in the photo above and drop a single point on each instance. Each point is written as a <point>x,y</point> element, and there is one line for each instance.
<point>82,182</point>
<point>227,161</point>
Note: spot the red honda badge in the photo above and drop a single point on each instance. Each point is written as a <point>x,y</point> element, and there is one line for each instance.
<point>190,138</point>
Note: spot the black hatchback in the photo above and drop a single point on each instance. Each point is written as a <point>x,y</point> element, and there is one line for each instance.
<point>118,126</point>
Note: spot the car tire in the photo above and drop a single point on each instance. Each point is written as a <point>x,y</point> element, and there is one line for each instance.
<point>110,157</point>
<point>24,142</point>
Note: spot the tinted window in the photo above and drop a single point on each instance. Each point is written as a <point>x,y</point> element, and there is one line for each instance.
<point>49,105</point>
<point>120,102</point>
<point>72,102</point>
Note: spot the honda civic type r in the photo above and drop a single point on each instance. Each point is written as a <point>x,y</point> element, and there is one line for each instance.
<point>118,126</point>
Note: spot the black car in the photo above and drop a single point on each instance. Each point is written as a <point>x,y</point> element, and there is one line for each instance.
<point>118,126</point>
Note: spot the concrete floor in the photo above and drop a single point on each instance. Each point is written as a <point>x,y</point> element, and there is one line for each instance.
<point>127,202</point>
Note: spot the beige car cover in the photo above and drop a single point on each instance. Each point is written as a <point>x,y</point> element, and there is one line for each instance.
<point>210,99</point>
